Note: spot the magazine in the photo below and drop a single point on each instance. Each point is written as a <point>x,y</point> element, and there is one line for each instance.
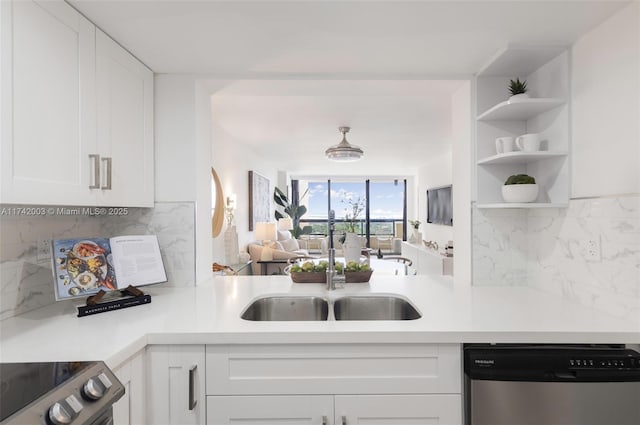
<point>85,266</point>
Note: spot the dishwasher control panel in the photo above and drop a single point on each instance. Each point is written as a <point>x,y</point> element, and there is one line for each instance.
<point>604,363</point>
<point>551,363</point>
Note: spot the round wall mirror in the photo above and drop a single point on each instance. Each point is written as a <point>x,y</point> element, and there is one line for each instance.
<point>217,202</point>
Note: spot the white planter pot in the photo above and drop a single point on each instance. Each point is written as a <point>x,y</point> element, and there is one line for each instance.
<point>231,251</point>
<point>520,192</point>
<point>518,97</point>
<point>351,248</point>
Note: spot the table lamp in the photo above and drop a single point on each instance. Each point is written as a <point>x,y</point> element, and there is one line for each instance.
<point>266,232</point>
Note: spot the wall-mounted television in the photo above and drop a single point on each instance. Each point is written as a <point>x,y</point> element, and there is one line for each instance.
<point>440,205</point>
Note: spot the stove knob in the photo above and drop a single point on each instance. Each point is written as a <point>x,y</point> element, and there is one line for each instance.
<point>65,411</point>
<point>93,389</point>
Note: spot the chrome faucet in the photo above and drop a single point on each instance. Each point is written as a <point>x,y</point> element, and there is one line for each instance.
<point>332,276</point>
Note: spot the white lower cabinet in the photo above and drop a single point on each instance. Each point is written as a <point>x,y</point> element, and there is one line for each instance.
<point>270,410</point>
<point>175,384</point>
<point>334,384</point>
<point>406,409</point>
<point>131,408</point>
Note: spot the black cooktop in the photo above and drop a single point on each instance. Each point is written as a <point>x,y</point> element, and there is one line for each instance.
<point>23,383</point>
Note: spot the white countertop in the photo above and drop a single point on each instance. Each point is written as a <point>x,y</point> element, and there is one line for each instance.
<point>210,314</point>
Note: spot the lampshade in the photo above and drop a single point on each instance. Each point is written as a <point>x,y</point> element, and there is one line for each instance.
<point>344,151</point>
<point>285,223</point>
<point>266,231</point>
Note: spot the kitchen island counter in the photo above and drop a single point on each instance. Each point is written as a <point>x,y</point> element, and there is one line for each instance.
<point>210,314</point>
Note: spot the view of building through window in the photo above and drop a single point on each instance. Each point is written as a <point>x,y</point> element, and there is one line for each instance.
<point>386,205</point>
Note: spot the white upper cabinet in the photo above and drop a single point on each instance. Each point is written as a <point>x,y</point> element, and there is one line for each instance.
<point>76,111</point>
<point>545,112</point>
<point>48,98</point>
<point>125,125</point>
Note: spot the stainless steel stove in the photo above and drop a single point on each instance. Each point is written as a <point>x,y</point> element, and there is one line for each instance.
<point>59,393</point>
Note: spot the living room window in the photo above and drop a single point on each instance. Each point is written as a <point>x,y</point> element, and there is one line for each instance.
<point>382,219</point>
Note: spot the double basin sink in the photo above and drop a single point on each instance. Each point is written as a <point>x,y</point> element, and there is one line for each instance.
<point>316,308</point>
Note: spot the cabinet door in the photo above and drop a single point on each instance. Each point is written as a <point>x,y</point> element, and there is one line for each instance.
<point>175,384</point>
<point>407,409</point>
<point>125,126</point>
<point>270,410</point>
<point>131,408</point>
<point>47,114</point>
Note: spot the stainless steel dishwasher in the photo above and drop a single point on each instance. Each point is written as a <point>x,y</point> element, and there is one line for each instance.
<point>551,385</point>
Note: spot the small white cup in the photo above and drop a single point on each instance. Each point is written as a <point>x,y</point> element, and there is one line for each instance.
<point>504,144</point>
<point>528,142</point>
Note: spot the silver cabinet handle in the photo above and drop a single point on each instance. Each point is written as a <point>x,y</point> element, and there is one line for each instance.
<point>324,420</point>
<point>192,396</point>
<point>96,171</point>
<point>344,420</point>
<point>107,164</point>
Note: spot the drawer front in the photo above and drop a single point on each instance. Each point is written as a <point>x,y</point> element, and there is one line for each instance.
<point>333,369</point>
<point>405,409</point>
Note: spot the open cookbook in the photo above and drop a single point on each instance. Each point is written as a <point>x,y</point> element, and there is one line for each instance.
<point>82,267</point>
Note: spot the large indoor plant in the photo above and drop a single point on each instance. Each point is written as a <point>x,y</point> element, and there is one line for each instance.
<point>292,209</point>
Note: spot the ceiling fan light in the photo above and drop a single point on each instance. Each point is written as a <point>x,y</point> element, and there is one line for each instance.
<point>344,151</point>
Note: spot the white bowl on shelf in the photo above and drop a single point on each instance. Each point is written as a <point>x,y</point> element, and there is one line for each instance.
<point>520,192</point>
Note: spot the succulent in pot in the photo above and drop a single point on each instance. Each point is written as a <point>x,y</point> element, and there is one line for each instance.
<point>518,89</point>
<point>520,188</point>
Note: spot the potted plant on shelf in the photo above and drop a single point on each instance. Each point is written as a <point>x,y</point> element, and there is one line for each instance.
<point>520,188</point>
<point>518,89</point>
<point>416,237</point>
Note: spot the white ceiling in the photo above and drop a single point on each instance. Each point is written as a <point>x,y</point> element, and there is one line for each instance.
<point>302,68</point>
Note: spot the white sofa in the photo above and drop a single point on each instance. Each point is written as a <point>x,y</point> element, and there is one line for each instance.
<point>284,248</point>
<point>388,245</point>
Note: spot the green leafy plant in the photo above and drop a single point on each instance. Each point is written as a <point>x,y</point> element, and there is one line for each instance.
<point>415,224</point>
<point>293,210</point>
<point>520,179</point>
<point>517,86</point>
<point>309,267</point>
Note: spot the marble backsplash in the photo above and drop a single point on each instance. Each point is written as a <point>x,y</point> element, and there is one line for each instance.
<point>588,252</point>
<point>26,280</point>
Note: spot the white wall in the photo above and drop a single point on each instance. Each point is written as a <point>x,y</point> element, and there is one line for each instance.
<point>183,154</point>
<point>233,160</point>
<point>437,171</point>
<point>461,128</point>
<point>550,248</point>
<point>606,107</point>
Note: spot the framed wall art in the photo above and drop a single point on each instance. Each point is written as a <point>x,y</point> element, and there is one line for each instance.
<point>259,199</point>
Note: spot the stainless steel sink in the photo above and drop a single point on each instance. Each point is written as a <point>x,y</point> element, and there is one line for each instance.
<point>365,307</point>
<point>287,308</point>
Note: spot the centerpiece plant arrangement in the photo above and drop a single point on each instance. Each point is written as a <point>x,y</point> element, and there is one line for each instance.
<point>310,272</point>
<point>292,209</point>
<point>322,266</point>
<point>415,224</point>
<point>351,214</point>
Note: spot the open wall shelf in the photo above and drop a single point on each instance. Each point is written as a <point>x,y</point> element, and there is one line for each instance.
<point>520,110</point>
<point>546,113</point>
<point>521,157</point>
<point>522,205</point>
